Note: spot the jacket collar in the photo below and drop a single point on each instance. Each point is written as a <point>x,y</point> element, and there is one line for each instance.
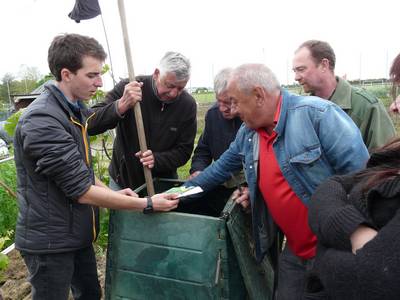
<point>342,94</point>
<point>62,100</point>
<point>284,103</point>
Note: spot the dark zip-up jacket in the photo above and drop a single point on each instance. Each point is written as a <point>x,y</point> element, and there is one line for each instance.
<point>217,136</point>
<point>170,128</point>
<point>53,163</point>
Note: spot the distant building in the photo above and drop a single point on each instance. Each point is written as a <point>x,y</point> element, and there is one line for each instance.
<point>23,100</point>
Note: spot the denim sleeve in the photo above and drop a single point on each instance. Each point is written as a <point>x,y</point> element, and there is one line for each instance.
<point>341,141</point>
<point>220,170</point>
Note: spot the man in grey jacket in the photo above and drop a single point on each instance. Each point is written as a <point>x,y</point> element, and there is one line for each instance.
<point>58,193</point>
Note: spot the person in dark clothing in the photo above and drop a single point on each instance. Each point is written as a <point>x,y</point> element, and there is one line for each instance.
<point>220,129</point>
<point>221,126</point>
<point>169,118</point>
<point>356,219</point>
<point>58,193</point>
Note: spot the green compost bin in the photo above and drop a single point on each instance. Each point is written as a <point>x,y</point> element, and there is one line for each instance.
<point>179,255</point>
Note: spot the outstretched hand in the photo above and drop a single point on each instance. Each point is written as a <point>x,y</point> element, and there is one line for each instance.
<point>165,202</point>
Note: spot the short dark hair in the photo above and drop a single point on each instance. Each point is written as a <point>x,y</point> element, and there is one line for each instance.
<point>395,70</point>
<point>320,50</point>
<point>68,50</point>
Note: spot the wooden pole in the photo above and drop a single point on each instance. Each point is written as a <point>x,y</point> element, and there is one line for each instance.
<point>137,110</point>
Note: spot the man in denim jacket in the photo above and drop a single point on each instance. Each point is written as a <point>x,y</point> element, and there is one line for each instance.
<point>287,146</point>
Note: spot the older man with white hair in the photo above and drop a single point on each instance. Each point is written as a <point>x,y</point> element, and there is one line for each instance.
<point>287,146</point>
<point>169,118</point>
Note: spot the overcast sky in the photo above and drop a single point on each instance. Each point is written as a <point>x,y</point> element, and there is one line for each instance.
<point>212,33</point>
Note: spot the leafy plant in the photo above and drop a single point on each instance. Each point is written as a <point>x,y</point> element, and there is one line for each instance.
<point>8,203</point>
<point>12,122</point>
<point>3,258</point>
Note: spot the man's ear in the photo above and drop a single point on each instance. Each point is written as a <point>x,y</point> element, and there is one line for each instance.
<point>325,63</point>
<point>156,74</point>
<point>65,75</point>
<point>259,94</point>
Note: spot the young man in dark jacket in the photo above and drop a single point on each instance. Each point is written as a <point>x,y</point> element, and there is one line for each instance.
<point>58,193</point>
<point>169,118</point>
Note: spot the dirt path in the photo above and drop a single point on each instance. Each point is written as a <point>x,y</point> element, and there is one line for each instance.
<point>14,284</point>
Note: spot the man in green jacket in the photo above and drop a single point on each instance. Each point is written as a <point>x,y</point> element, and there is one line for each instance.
<point>314,66</point>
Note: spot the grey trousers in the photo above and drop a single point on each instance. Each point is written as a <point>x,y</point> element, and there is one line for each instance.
<point>292,275</point>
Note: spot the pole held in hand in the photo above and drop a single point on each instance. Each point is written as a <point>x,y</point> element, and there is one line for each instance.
<point>137,110</point>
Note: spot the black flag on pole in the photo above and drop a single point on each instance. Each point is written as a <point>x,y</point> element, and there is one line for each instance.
<point>85,9</point>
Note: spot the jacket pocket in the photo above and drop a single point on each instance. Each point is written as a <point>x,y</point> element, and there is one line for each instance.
<point>311,167</point>
<point>307,157</point>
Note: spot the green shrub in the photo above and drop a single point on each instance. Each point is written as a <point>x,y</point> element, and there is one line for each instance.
<point>3,258</point>
<point>204,97</point>
<point>8,203</point>
<point>380,92</point>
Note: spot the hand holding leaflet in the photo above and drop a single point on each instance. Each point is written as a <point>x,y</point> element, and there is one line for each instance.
<point>184,191</point>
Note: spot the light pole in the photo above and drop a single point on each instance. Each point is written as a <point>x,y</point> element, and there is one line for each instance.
<point>9,96</point>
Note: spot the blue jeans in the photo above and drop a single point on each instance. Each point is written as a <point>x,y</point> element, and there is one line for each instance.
<point>52,275</point>
<point>292,275</point>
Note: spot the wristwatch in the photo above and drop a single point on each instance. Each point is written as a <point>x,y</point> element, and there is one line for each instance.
<point>149,208</point>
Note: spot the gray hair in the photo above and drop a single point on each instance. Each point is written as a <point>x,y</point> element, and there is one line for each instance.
<point>221,80</point>
<point>250,75</point>
<point>174,62</point>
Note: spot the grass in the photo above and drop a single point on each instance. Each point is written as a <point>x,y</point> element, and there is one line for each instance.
<point>204,102</point>
<point>201,98</point>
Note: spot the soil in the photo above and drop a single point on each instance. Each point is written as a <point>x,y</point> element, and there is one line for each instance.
<point>14,284</point>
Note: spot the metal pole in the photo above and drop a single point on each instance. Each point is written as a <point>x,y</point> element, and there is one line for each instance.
<point>137,110</point>
<point>9,96</point>
<point>109,52</point>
